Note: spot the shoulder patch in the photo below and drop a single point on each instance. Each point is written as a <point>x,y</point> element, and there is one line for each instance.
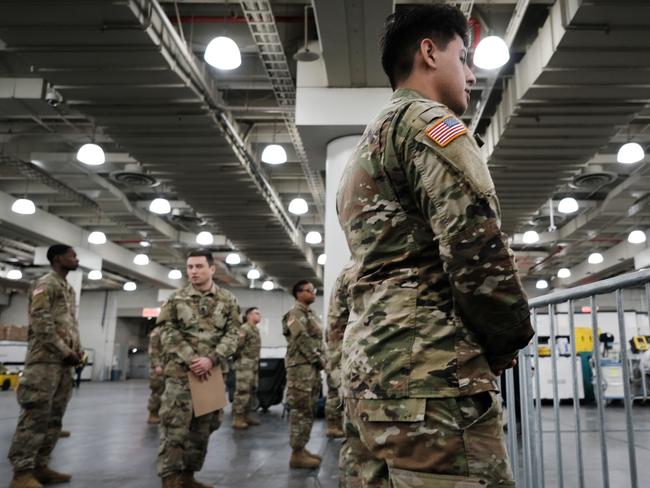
<point>446,130</point>
<point>38,291</point>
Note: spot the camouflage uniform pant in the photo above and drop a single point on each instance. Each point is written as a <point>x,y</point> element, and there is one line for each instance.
<point>43,395</point>
<point>459,442</point>
<point>303,388</point>
<point>156,385</point>
<point>183,437</point>
<point>352,457</point>
<point>246,379</point>
<point>333,404</point>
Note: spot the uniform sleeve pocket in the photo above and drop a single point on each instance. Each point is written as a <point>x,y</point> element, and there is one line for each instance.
<point>402,410</point>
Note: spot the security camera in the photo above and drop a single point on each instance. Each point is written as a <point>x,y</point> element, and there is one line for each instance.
<point>53,97</point>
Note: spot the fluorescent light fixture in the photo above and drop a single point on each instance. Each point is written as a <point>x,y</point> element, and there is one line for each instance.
<point>491,53</point>
<point>564,273</point>
<point>129,286</point>
<point>530,237</point>
<point>145,244</point>
<point>274,154</point>
<point>97,237</point>
<point>23,206</point>
<point>268,285</point>
<point>160,206</point>
<point>134,350</point>
<point>322,259</point>
<point>253,274</point>
<point>233,258</point>
<point>298,206</point>
<point>595,258</point>
<point>91,154</point>
<point>636,237</point>
<point>541,285</point>
<point>141,259</point>
<point>14,274</point>
<point>313,237</point>
<point>630,153</point>
<point>568,205</point>
<point>175,274</point>
<point>222,53</point>
<point>204,238</point>
<point>95,274</point>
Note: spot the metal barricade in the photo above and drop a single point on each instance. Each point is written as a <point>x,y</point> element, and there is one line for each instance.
<point>540,451</point>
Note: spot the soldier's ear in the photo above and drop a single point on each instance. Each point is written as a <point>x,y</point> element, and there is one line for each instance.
<point>428,51</point>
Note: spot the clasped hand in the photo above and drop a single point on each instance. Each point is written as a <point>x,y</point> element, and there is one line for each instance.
<point>201,367</point>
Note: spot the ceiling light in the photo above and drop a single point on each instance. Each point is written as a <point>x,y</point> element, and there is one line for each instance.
<point>95,274</point>
<point>97,237</point>
<point>23,206</point>
<point>491,53</point>
<point>322,259</point>
<point>268,285</point>
<point>204,238</point>
<point>129,286</point>
<point>636,237</point>
<point>595,258</point>
<point>253,274</point>
<point>223,53</point>
<point>145,244</point>
<point>630,153</point>
<point>530,237</point>
<point>14,274</point>
<point>141,259</point>
<point>175,274</point>
<point>568,205</point>
<point>91,154</point>
<point>298,206</point>
<point>160,206</point>
<point>233,258</point>
<point>313,237</point>
<point>564,273</point>
<point>274,154</point>
<point>541,285</point>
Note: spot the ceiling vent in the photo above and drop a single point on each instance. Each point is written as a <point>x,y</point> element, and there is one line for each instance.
<point>593,180</point>
<point>187,217</point>
<point>132,179</point>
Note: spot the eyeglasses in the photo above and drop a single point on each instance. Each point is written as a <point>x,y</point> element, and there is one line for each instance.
<point>310,290</point>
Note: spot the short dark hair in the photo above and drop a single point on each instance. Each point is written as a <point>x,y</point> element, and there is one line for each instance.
<point>206,253</point>
<point>57,250</point>
<point>405,29</point>
<point>249,310</point>
<point>297,288</point>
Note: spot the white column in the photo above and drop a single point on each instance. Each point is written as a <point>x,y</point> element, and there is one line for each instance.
<point>75,278</point>
<point>336,247</point>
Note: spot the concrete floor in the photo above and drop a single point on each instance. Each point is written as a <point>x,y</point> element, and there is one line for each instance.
<point>112,446</point>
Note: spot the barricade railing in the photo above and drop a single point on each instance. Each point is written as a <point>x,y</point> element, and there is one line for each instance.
<point>533,465</point>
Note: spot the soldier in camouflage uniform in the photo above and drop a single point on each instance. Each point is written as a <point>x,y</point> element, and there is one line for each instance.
<point>46,385</point>
<point>437,307</point>
<point>303,361</point>
<point>156,379</point>
<point>199,329</point>
<point>247,365</point>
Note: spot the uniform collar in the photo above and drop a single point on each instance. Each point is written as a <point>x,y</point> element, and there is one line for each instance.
<point>58,277</point>
<point>302,306</point>
<point>194,292</point>
<point>409,93</point>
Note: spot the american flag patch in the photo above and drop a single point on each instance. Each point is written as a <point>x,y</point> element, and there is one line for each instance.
<point>446,130</point>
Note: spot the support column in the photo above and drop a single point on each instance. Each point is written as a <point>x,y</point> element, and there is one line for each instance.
<point>336,247</point>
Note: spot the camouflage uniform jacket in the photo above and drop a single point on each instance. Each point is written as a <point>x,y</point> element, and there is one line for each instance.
<point>249,345</point>
<point>155,348</point>
<point>301,328</point>
<point>338,313</point>
<point>53,328</point>
<point>198,324</point>
<point>437,299</point>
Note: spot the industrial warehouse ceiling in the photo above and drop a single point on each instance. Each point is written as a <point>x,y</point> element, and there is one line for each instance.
<point>130,76</point>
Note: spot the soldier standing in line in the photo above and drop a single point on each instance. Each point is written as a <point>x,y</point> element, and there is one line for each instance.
<point>247,365</point>
<point>303,361</point>
<point>53,351</point>
<point>437,309</point>
<point>156,379</point>
<point>199,329</point>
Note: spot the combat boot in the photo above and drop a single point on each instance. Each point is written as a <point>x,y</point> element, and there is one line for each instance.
<point>239,423</point>
<point>25,479</point>
<point>302,460</point>
<point>190,482</point>
<point>64,433</point>
<point>335,432</point>
<point>153,419</point>
<point>47,476</point>
<point>250,420</point>
<point>173,481</point>
<point>315,456</point>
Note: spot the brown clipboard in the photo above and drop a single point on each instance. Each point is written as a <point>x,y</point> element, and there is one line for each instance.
<point>208,395</point>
